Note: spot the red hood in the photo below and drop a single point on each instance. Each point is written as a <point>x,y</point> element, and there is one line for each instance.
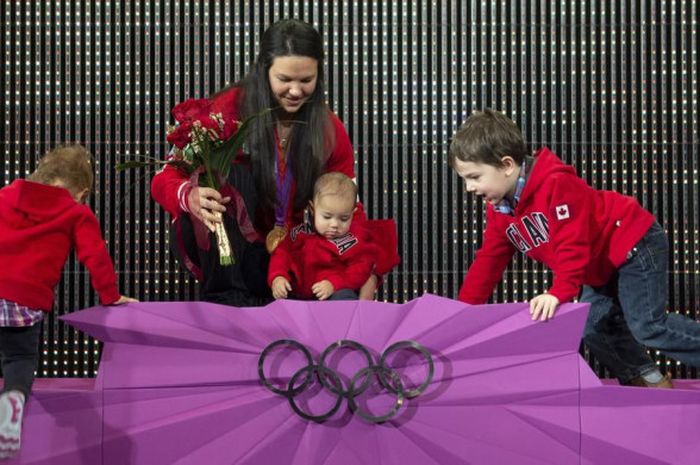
<point>25,203</point>
<point>548,165</point>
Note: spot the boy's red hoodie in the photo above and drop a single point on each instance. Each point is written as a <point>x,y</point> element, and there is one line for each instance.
<point>39,225</point>
<point>582,234</point>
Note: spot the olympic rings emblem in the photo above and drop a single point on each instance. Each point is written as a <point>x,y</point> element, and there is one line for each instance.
<point>329,379</point>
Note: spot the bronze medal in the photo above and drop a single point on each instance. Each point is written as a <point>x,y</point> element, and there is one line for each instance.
<point>274,237</point>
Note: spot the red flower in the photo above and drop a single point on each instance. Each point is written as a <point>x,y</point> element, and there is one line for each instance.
<point>180,136</point>
<point>192,110</point>
<point>194,114</point>
<point>230,127</point>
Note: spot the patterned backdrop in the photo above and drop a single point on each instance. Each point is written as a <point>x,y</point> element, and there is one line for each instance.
<point>609,86</point>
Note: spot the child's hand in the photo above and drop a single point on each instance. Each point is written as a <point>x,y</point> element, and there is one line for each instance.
<point>281,287</point>
<point>322,289</point>
<point>123,300</point>
<point>544,304</point>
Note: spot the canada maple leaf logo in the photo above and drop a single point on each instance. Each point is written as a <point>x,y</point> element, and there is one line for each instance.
<point>563,212</point>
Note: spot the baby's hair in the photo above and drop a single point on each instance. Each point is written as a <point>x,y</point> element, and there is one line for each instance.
<point>486,137</point>
<point>69,165</point>
<point>335,183</point>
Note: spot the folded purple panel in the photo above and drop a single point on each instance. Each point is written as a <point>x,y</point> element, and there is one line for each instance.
<point>493,369</point>
<point>180,384</point>
<point>640,426</point>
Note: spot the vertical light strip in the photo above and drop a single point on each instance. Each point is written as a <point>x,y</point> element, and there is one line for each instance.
<point>146,148</point>
<point>8,60</point>
<point>694,187</point>
<point>80,366</point>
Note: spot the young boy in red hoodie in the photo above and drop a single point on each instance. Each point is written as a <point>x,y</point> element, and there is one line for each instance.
<point>41,220</point>
<point>601,241</point>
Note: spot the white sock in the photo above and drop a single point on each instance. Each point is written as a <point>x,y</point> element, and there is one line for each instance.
<point>654,376</point>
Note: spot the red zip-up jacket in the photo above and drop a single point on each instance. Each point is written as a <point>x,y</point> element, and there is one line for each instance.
<point>39,225</point>
<point>582,234</point>
<point>305,258</point>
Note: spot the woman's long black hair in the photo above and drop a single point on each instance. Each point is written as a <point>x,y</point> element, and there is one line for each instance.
<point>312,136</point>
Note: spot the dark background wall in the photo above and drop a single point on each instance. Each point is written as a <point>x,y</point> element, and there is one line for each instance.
<point>609,86</point>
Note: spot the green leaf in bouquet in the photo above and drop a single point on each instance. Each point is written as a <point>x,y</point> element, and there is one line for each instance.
<point>132,164</point>
<point>183,166</point>
<point>140,161</point>
<point>209,179</point>
<point>225,153</point>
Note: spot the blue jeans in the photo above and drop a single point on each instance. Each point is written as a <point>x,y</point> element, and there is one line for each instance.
<point>340,294</point>
<point>344,294</point>
<point>629,312</point>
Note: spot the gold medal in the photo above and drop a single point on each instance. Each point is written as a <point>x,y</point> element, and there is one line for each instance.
<point>274,237</point>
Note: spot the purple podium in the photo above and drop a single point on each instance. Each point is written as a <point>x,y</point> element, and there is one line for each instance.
<point>179,383</point>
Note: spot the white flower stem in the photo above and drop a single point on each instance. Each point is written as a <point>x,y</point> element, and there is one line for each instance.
<point>225,254</point>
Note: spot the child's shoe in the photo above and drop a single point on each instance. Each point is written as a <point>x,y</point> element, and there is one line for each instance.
<point>11,411</point>
<point>639,381</point>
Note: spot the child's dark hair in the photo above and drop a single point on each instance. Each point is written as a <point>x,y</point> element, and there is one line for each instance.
<point>335,183</point>
<point>70,165</point>
<point>486,137</point>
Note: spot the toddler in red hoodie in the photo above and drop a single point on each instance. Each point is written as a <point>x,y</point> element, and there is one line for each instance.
<point>41,220</point>
<point>330,259</point>
<point>600,244</point>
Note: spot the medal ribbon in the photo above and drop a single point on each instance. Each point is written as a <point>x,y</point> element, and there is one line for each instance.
<point>283,180</point>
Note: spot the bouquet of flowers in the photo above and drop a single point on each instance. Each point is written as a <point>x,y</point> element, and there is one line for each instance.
<point>206,143</point>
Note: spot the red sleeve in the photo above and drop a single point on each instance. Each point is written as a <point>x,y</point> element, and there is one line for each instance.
<point>569,214</point>
<point>92,252</point>
<point>166,187</point>
<point>490,262</point>
<point>280,261</point>
<point>342,158</point>
<point>228,103</point>
<point>357,271</point>
<point>382,234</point>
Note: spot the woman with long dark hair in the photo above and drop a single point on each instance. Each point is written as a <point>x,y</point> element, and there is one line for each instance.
<point>272,179</point>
